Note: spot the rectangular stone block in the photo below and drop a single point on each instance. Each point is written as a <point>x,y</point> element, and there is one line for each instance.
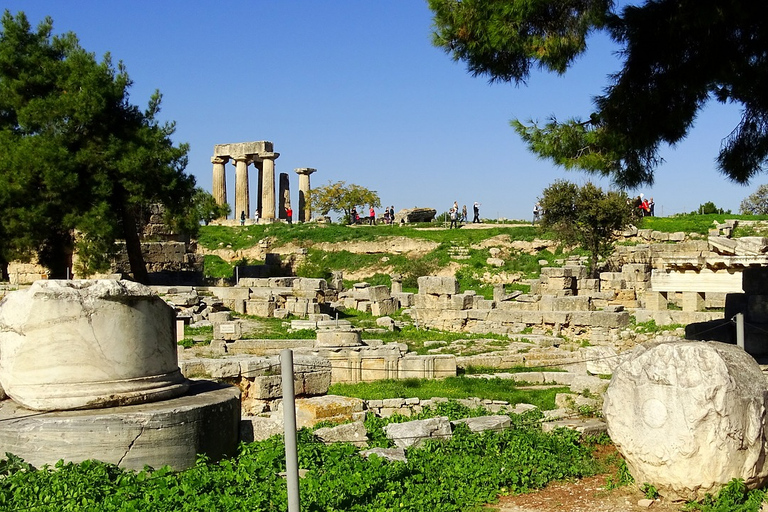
<point>556,317</point>
<point>262,308</point>
<point>504,317</point>
<point>405,300</point>
<point>384,307</point>
<point>656,301</point>
<point>228,331</point>
<point>556,272</point>
<point>253,282</point>
<point>438,285</point>
<point>378,293</point>
<point>609,320</point>
<point>572,304</point>
<point>532,317</point>
<point>478,314</point>
<point>282,282</point>
<point>461,301</point>
<point>558,283</point>
<point>693,301</point>
<point>307,283</point>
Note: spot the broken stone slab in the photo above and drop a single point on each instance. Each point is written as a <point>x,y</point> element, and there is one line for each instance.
<point>495,423</point>
<point>586,426</point>
<point>688,417</point>
<point>415,433</point>
<point>88,344</point>
<point>333,408</point>
<point>259,428</point>
<point>353,433</point>
<point>205,420</point>
<point>390,454</point>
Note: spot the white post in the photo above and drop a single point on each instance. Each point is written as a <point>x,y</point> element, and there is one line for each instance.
<point>289,418</point>
<point>740,330</point>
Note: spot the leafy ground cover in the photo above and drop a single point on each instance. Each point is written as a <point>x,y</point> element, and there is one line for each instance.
<point>459,474</point>
<point>692,223</point>
<point>451,387</point>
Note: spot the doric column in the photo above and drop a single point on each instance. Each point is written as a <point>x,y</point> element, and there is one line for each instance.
<point>285,195</point>
<point>242,199</point>
<point>268,185</point>
<point>259,165</point>
<point>305,213</point>
<point>219,179</point>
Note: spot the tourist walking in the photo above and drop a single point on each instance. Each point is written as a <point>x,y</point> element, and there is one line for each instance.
<point>256,216</point>
<point>476,208</point>
<point>454,214</point>
<point>536,213</point>
<point>242,218</point>
<point>353,215</point>
<point>651,205</point>
<point>392,214</point>
<point>464,213</point>
<point>371,216</point>
<point>289,215</point>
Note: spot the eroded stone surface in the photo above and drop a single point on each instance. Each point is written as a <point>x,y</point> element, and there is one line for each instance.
<point>689,417</point>
<point>87,344</point>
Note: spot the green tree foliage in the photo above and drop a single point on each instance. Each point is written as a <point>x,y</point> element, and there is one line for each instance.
<point>677,55</point>
<point>709,208</point>
<point>78,162</point>
<point>205,208</point>
<point>340,197</point>
<point>586,216</point>
<point>756,203</point>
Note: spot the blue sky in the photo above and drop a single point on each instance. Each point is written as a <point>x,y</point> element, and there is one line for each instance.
<point>355,89</point>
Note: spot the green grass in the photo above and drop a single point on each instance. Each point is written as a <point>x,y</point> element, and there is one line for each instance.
<point>451,387</point>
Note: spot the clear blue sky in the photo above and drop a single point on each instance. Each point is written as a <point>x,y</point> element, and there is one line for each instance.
<point>356,90</point>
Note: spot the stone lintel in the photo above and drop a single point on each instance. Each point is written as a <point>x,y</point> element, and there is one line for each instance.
<point>243,148</point>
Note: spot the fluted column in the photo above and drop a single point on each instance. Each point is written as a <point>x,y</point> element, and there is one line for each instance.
<point>268,185</point>
<point>242,199</point>
<point>305,212</point>
<point>284,199</point>
<point>219,179</point>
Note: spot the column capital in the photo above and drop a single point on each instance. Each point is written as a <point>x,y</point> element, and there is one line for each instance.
<point>269,156</point>
<point>304,171</point>
<point>219,159</point>
<point>242,158</point>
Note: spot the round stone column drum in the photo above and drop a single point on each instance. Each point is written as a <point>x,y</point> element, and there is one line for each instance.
<point>88,344</point>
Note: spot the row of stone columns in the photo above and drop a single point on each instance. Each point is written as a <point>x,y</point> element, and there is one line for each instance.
<point>259,154</point>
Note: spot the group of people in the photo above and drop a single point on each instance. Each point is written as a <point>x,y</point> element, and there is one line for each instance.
<point>457,215</point>
<point>389,215</point>
<point>644,207</point>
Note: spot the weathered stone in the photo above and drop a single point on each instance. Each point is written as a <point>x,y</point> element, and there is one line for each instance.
<point>87,344</point>
<point>390,454</point>
<point>496,423</point>
<point>337,409</point>
<point>338,338</point>
<point>409,215</point>
<point>688,417</point>
<point>172,431</point>
<point>415,433</point>
<point>435,285</point>
<point>258,428</point>
<point>353,433</point>
<point>601,360</point>
<point>229,331</point>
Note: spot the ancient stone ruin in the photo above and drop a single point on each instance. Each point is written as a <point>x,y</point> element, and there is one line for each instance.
<point>98,360</point>
<point>690,416</point>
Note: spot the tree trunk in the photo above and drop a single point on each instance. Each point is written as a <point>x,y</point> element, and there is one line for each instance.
<point>133,247</point>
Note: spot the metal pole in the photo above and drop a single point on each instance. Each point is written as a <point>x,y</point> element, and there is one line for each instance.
<point>289,418</point>
<point>740,330</point>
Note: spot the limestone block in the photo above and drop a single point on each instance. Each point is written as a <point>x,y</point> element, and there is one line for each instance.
<point>556,272</point>
<point>435,285</point>
<point>414,433</point>
<point>532,317</point>
<point>261,308</point>
<point>555,317</point>
<point>171,431</point>
<point>282,282</point>
<point>495,423</point>
<point>384,307</point>
<point>593,385</point>
<point>338,338</point>
<point>693,301</point>
<point>689,416</point>
<point>364,306</point>
<point>656,301</point>
<point>609,319</point>
<point>558,283</point>
<point>333,408</point>
<point>572,303</point>
<point>678,236</point>
<point>234,293</point>
<point>353,433</point>
<point>601,360</point>
<point>229,331</point>
<point>378,293</point>
<point>87,344</point>
<point>253,282</point>
<point>389,454</point>
<point>258,428</point>
<point>309,284</point>
<point>462,301</point>
<point>478,314</point>
<point>219,316</point>
<point>404,299</point>
<point>495,262</point>
<point>426,367</point>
